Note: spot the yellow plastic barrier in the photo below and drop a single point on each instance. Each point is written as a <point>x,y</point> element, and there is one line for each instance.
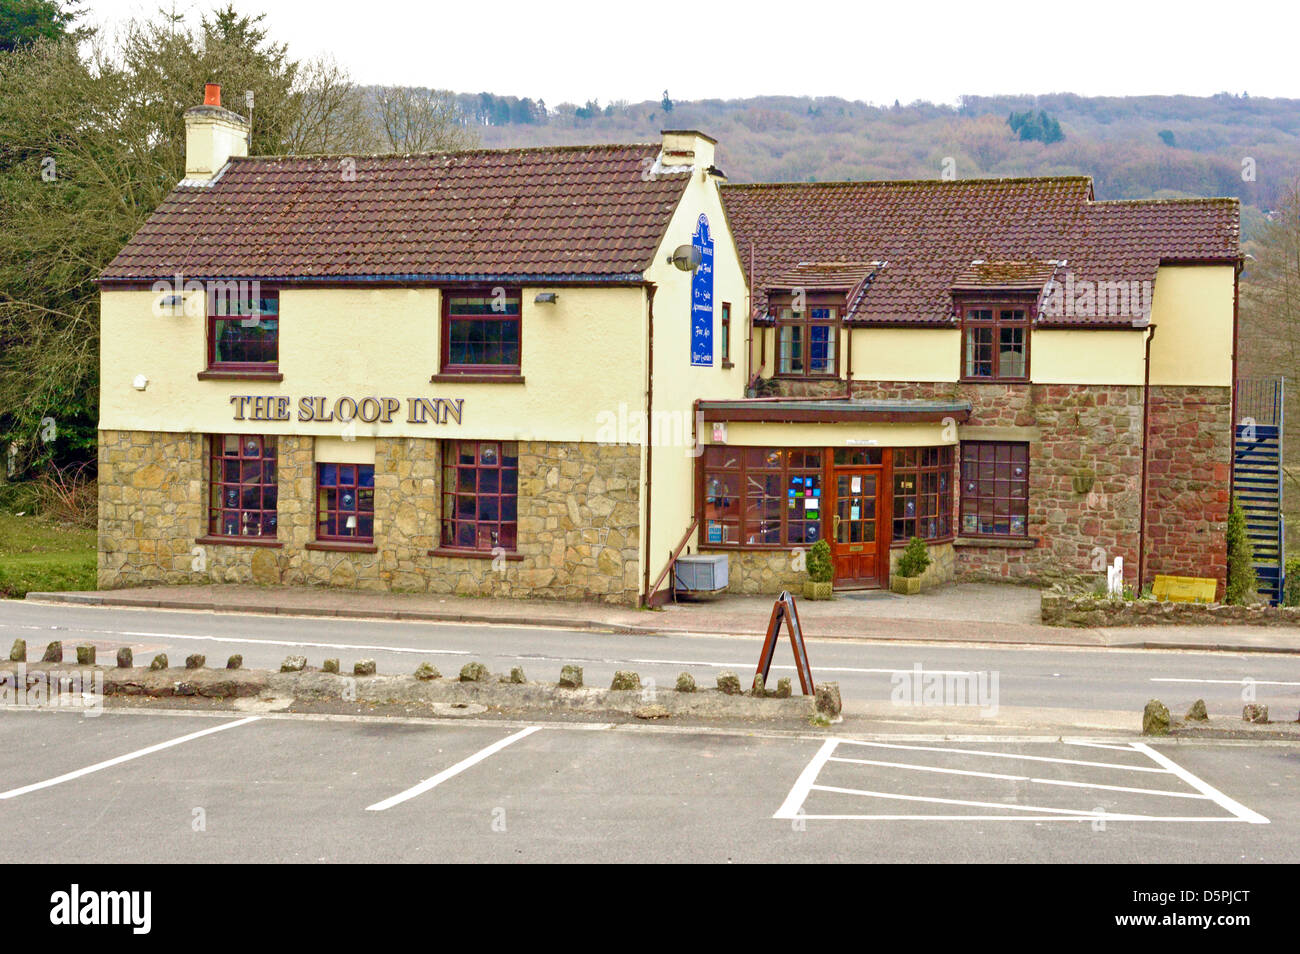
<point>1184,589</point>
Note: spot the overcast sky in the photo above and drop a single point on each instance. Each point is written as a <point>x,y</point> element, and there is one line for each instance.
<point>576,50</point>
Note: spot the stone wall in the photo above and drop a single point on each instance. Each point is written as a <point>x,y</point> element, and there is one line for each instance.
<point>942,568</point>
<point>761,571</point>
<point>579,528</point>
<point>1188,466</point>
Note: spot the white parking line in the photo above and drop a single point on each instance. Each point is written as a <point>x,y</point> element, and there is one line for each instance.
<point>1205,788</point>
<point>1227,682</point>
<point>455,770</point>
<point>98,766</point>
<point>793,806</point>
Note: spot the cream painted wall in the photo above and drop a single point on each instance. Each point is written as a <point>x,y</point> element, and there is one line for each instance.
<point>581,355</point>
<point>676,383</point>
<point>1192,307</point>
<point>1086,357</point>
<point>906,354</point>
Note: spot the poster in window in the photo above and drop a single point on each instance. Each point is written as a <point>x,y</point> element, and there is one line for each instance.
<point>702,297</point>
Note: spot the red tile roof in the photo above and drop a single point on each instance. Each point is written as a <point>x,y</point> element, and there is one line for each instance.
<point>587,212</point>
<point>931,234</point>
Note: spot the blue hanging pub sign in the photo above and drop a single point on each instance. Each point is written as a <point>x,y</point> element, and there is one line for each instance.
<point>702,297</point>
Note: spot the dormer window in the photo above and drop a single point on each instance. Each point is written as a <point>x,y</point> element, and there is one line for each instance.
<point>807,338</point>
<point>995,341</point>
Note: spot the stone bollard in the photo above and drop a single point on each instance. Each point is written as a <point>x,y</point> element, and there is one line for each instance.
<point>1254,712</point>
<point>686,682</point>
<point>125,658</point>
<point>759,689</point>
<point>425,672</point>
<point>235,662</point>
<point>729,683</point>
<point>86,655</point>
<point>571,677</point>
<point>53,652</point>
<point>624,680</point>
<point>159,661</point>
<point>1197,712</point>
<point>828,698</point>
<point>293,664</point>
<point>473,672</point>
<point>1155,718</point>
<point>364,667</point>
<point>19,652</point>
<point>517,676</point>
<point>331,665</point>
<point>783,688</point>
<point>195,661</point>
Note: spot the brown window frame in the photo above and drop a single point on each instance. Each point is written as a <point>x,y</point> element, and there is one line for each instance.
<point>912,462</point>
<point>361,491</point>
<point>453,495</point>
<point>512,293</point>
<point>781,304</point>
<point>974,458</point>
<point>214,321</point>
<point>743,513</point>
<point>219,483</point>
<point>995,323</point>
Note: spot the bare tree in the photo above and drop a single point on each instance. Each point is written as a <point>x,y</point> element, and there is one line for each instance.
<point>421,120</point>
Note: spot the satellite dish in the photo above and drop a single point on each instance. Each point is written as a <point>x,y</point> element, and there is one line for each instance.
<point>686,257</point>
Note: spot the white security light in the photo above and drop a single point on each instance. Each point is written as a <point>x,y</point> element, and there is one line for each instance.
<point>140,382</point>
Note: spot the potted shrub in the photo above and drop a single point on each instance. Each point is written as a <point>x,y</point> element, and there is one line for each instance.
<point>820,572</point>
<point>911,564</point>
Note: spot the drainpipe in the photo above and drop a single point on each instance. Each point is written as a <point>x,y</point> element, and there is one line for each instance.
<point>1146,432</point>
<point>649,443</point>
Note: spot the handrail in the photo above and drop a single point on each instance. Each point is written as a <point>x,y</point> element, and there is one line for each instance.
<point>672,559</point>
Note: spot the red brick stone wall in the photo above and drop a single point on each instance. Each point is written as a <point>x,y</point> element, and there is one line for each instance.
<point>1188,465</point>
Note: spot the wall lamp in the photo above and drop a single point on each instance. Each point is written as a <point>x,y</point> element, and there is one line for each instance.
<point>546,298</point>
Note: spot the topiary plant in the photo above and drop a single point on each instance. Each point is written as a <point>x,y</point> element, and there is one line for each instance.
<point>819,562</point>
<point>1241,559</point>
<point>915,558</point>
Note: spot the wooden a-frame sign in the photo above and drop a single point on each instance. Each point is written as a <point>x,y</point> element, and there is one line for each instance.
<point>784,610</point>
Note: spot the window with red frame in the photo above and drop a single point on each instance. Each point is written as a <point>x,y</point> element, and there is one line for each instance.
<point>481,331</point>
<point>995,342</point>
<point>345,502</point>
<point>242,486</point>
<point>807,340</point>
<point>480,486</point>
<point>762,496</point>
<point>244,330</point>
<point>994,489</point>
<point>922,493</point>
<point>725,343</point>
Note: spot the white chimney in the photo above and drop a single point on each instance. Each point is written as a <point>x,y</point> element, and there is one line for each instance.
<point>212,135</point>
<point>686,148</point>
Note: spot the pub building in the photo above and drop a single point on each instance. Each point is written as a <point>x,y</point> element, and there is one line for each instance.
<point>546,372</point>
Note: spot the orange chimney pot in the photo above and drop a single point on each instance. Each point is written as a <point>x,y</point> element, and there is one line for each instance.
<point>212,94</point>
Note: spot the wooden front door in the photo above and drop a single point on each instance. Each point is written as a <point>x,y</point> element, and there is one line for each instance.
<point>856,530</point>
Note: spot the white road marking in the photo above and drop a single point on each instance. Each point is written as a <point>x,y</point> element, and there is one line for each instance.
<point>1205,788</point>
<point>455,770</point>
<point>790,807</point>
<point>1003,755</point>
<point>1041,818</point>
<point>1227,682</point>
<point>746,665</point>
<point>98,766</point>
<point>958,801</point>
<point>1019,778</point>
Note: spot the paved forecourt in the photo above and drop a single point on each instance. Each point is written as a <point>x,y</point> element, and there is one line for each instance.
<point>172,787</point>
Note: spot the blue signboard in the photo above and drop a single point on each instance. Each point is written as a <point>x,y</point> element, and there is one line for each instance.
<point>702,297</point>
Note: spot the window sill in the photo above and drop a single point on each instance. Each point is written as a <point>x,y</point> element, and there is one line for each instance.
<point>900,544</point>
<point>473,554</point>
<point>217,374</point>
<point>1009,543</point>
<point>457,377</point>
<point>994,380</point>
<point>217,541</point>
<point>342,546</point>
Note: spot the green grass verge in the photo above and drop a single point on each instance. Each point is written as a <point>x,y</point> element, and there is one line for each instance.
<point>37,555</point>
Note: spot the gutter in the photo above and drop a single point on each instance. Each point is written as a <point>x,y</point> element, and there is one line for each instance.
<point>651,288</point>
<point>1146,433</point>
